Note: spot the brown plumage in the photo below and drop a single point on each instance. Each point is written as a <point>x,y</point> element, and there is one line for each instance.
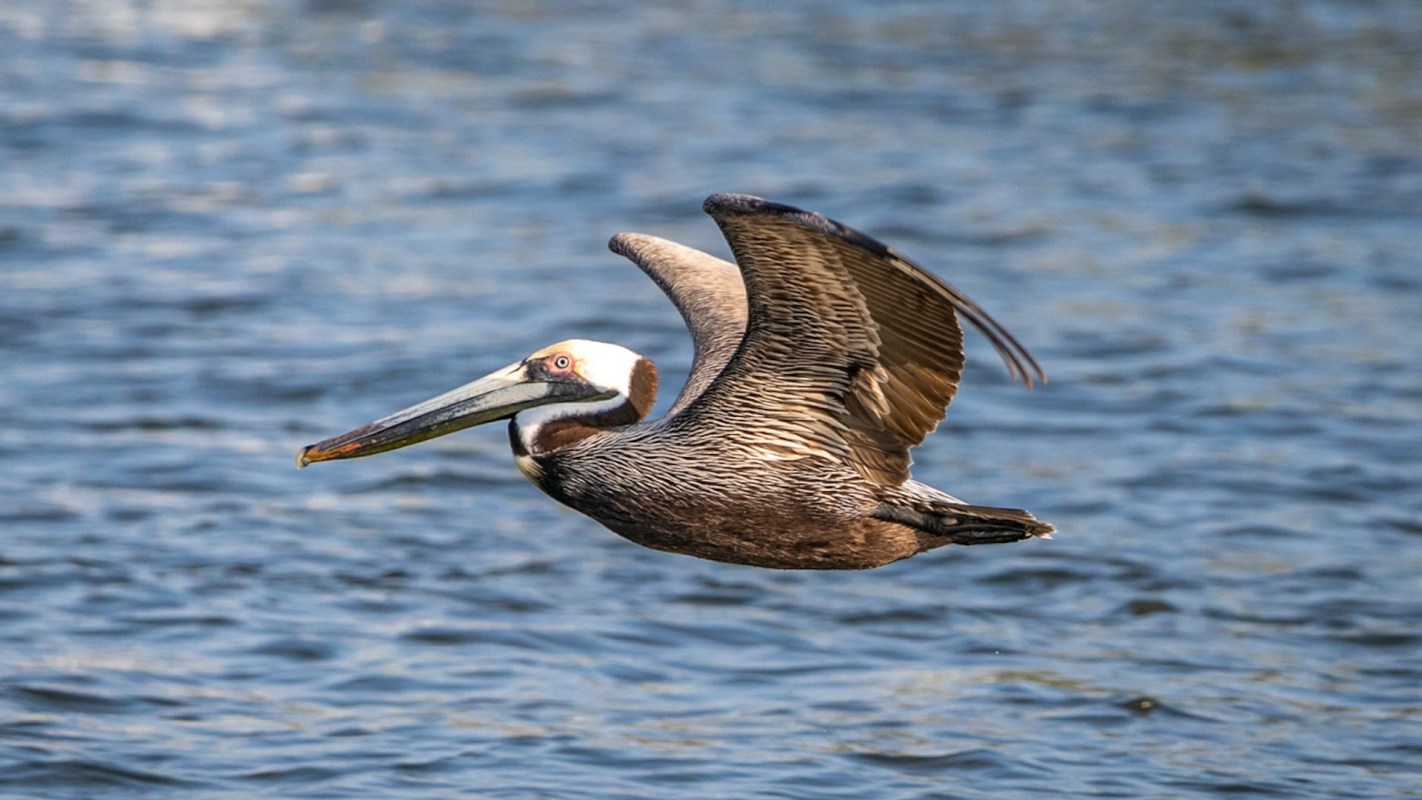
<point>822,356</point>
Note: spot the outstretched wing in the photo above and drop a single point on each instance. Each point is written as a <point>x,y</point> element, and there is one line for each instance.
<point>706,290</point>
<point>851,351</point>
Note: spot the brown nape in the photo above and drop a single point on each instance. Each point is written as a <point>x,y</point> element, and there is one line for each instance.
<point>642,387</point>
<point>573,428</point>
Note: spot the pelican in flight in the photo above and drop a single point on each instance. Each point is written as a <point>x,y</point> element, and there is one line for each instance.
<point>821,357</point>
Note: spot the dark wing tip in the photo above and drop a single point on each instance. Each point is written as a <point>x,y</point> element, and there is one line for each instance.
<point>740,203</point>
<point>1020,363</point>
<point>718,205</point>
<point>748,204</point>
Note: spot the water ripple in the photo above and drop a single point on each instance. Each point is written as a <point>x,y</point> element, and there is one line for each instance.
<point>229,230</point>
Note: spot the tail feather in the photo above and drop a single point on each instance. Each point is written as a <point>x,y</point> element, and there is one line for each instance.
<point>960,523</point>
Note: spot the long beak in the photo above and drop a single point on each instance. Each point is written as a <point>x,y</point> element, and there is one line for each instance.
<point>496,396</point>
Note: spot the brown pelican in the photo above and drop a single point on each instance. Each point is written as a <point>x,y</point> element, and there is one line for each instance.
<point>821,357</point>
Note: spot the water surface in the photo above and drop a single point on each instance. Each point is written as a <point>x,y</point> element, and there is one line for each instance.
<point>228,230</point>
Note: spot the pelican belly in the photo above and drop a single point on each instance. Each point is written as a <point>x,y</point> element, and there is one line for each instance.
<point>802,514</point>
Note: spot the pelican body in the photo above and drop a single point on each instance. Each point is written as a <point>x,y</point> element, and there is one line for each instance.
<point>821,357</point>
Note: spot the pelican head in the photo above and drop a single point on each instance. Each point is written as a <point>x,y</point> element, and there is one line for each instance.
<point>556,396</point>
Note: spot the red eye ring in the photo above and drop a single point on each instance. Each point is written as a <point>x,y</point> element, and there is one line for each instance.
<point>561,362</point>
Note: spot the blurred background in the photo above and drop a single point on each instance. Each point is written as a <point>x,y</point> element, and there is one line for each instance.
<point>229,229</point>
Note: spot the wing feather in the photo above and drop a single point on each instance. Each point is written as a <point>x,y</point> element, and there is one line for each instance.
<point>707,291</point>
<point>850,350</point>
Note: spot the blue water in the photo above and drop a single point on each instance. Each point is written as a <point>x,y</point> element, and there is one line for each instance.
<point>230,229</point>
